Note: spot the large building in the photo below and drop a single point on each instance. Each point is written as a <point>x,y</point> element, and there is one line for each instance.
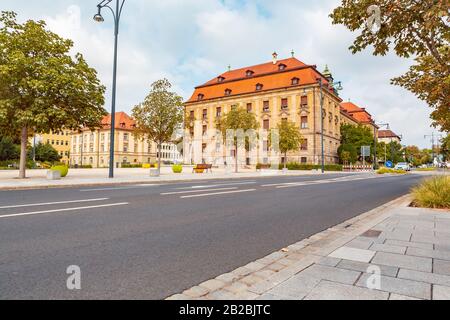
<point>92,147</point>
<point>388,136</point>
<point>274,91</point>
<point>360,116</point>
<point>60,141</point>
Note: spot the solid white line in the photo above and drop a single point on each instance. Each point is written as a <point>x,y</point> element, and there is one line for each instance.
<point>52,203</point>
<point>63,210</point>
<point>192,191</point>
<point>216,193</point>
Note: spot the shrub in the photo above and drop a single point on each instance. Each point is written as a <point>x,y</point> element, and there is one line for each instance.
<point>64,170</point>
<point>391,171</point>
<point>132,166</point>
<point>146,166</point>
<point>433,193</point>
<point>308,167</point>
<point>177,168</point>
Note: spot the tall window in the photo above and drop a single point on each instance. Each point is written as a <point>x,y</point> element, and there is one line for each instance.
<point>284,104</point>
<point>125,137</point>
<point>219,112</point>
<point>204,130</point>
<point>205,114</point>
<point>304,101</point>
<point>304,145</point>
<point>266,106</point>
<point>249,107</point>
<point>304,122</point>
<point>192,115</point>
<point>266,124</point>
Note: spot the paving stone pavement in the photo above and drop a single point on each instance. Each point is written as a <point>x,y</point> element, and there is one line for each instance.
<point>394,252</point>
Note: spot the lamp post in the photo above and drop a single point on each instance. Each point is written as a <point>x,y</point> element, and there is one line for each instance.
<point>99,18</point>
<point>380,125</point>
<point>433,136</point>
<point>336,86</point>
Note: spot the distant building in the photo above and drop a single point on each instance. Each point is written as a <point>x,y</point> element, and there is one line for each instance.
<point>388,136</point>
<point>359,116</point>
<point>93,147</point>
<point>58,140</point>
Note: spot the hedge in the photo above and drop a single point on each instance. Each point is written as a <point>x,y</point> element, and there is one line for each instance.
<point>308,167</point>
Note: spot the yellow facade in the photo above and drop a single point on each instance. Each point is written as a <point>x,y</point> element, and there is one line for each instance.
<point>60,141</point>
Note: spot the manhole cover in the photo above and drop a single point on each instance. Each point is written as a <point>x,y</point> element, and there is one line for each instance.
<point>371,234</point>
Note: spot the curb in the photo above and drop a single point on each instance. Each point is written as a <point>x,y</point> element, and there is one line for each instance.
<point>254,279</point>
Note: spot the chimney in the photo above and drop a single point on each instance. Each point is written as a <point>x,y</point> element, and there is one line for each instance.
<point>275,57</point>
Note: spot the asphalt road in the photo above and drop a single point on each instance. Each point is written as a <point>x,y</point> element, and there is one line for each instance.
<point>152,241</point>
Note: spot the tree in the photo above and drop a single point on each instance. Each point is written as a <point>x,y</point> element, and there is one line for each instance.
<point>353,138</point>
<point>348,153</point>
<point>411,28</point>
<point>290,138</point>
<point>8,150</point>
<point>445,148</point>
<point>238,119</point>
<point>42,87</point>
<point>45,153</point>
<point>159,116</point>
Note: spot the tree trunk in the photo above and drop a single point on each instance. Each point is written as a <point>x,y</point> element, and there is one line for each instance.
<point>285,160</point>
<point>236,158</point>
<point>159,158</point>
<point>23,153</point>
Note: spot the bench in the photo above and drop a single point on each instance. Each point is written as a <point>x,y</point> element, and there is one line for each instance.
<point>200,168</point>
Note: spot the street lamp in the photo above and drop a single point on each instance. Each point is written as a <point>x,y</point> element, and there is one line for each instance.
<point>99,18</point>
<point>336,86</point>
<point>375,137</point>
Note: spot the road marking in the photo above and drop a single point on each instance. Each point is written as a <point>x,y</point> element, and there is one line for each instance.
<point>218,185</point>
<point>52,203</point>
<point>63,210</point>
<point>193,191</point>
<point>216,193</point>
<point>121,188</point>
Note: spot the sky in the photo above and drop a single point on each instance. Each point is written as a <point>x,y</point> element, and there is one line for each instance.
<point>192,41</point>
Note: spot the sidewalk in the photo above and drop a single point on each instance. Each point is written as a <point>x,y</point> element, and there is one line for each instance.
<point>403,252</point>
<point>92,177</point>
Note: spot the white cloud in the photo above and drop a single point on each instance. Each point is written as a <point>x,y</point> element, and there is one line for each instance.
<point>191,41</point>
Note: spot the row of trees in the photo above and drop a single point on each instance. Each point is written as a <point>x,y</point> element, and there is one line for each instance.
<point>10,151</point>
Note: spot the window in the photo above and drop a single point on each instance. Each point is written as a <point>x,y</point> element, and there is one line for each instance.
<point>266,106</point>
<point>304,160</point>
<point>304,145</point>
<point>125,137</point>
<point>249,107</point>
<point>57,142</point>
<point>192,115</point>
<point>284,104</point>
<point>205,129</point>
<point>228,92</point>
<point>259,87</point>
<point>220,79</point>
<point>205,114</point>
<point>304,122</point>
<point>125,148</point>
<point>266,146</point>
<point>200,97</point>
<point>219,112</point>
<point>295,81</point>
<point>282,67</point>
<point>249,73</point>
<point>304,101</point>
<point>266,124</point>
<point>234,107</point>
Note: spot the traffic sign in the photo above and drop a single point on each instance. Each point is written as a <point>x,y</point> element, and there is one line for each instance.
<point>365,151</point>
<point>389,164</point>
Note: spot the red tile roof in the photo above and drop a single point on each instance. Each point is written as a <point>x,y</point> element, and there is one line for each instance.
<point>267,74</point>
<point>387,134</point>
<point>123,121</point>
<point>356,112</point>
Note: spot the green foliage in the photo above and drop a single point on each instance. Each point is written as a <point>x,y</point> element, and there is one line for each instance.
<point>8,150</point>
<point>43,88</point>
<point>352,139</point>
<point>412,29</point>
<point>289,136</point>
<point>445,148</point>
<point>160,115</point>
<point>131,165</point>
<point>177,168</point>
<point>238,120</point>
<point>391,171</point>
<point>64,170</point>
<point>433,193</point>
<point>45,153</point>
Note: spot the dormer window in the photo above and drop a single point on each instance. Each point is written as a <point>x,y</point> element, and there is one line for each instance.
<point>249,73</point>
<point>228,92</point>
<point>122,124</point>
<point>295,81</point>
<point>200,97</point>
<point>220,79</point>
<point>259,87</point>
<point>282,67</point>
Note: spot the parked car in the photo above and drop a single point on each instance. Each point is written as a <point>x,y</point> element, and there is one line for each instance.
<point>403,166</point>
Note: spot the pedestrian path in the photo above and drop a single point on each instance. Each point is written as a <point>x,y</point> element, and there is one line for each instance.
<point>394,252</point>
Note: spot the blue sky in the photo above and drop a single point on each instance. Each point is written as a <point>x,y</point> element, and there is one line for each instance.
<point>192,41</point>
